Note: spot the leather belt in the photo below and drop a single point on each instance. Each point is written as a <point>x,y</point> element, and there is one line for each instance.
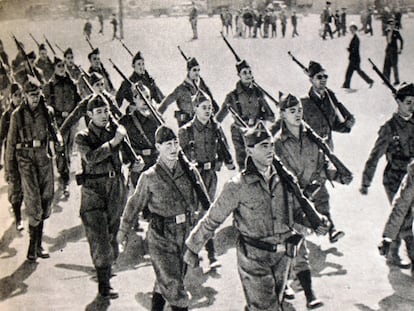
<point>31,144</point>
<point>177,219</point>
<point>110,174</point>
<point>270,247</point>
<point>206,165</point>
<point>146,152</point>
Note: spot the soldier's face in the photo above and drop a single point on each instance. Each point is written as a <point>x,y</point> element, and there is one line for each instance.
<point>60,69</point>
<point>406,106</point>
<point>204,111</point>
<point>99,116</point>
<point>168,150</point>
<point>246,76</point>
<point>319,80</point>
<point>33,98</point>
<point>293,115</point>
<point>95,60</point>
<point>99,86</point>
<point>69,59</point>
<point>17,97</point>
<point>263,152</point>
<point>43,54</point>
<point>141,105</point>
<point>139,66</point>
<point>194,73</point>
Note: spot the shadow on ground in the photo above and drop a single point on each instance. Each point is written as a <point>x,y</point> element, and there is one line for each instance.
<point>13,285</point>
<point>9,235</point>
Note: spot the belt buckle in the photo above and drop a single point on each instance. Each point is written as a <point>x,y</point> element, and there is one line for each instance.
<point>179,219</point>
<point>65,114</point>
<point>36,143</point>
<point>182,117</point>
<point>207,166</point>
<point>146,152</point>
<point>112,174</point>
<point>251,122</point>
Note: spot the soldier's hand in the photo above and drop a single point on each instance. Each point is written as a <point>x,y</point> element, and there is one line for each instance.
<point>384,246</point>
<point>346,179</point>
<point>231,166</point>
<point>119,135</point>
<point>138,165</point>
<point>323,228</point>
<point>122,240</point>
<point>191,258</point>
<point>363,190</point>
<point>350,122</point>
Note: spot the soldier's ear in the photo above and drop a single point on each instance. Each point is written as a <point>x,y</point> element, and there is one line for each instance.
<point>157,145</point>
<point>89,113</point>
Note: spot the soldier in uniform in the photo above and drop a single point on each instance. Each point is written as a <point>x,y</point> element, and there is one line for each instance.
<point>62,95</point>
<point>400,222</point>
<point>103,192</point>
<point>264,217</point>
<point>392,51</point>
<point>28,150</point>
<point>396,141</point>
<point>249,102</point>
<point>182,94</point>
<point>97,66</point>
<point>321,109</point>
<point>169,194</point>
<point>201,139</point>
<point>343,21</point>
<point>15,194</point>
<point>74,72</point>
<point>4,77</point>
<point>301,155</point>
<point>44,63</point>
<point>326,20</point>
<point>98,85</point>
<point>23,70</point>
<point>139,74</point>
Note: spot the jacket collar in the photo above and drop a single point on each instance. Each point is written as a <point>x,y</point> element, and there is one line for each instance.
<point>252,175</point>
<point>200,126</point>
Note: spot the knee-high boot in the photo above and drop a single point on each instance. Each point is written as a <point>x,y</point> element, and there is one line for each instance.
<point>158,302</point>
<point>104,286</point>
<point>41,253</point>
<point>305,280</point>
<point>32,251</point>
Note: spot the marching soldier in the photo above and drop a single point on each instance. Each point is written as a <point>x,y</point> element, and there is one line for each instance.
<point>97,66</point>
<point>62,95</point>
<point>168,192</point>
<point>183,93</point>
<point>15,194</point>
<point>321,109</point>
<point>263,215</point>
<point>326,20</point>
<point>202,141</point>
<point>98,85</point>
<point>23,70</point>
<point>249,102</point>
<point>395,141</point>
<point>392,50</point>
<point>139,74</point>
<point>74,72</point>
<point>44,63</point>
<point>28,150</point>
<point>103,192</point>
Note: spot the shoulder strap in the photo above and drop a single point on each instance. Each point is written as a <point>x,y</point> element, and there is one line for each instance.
<point>140,129</point>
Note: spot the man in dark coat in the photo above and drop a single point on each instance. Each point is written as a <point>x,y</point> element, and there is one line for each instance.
<point>392,51</point>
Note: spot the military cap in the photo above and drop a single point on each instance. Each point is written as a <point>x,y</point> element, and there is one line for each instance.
<point>287,101</point>
<point>42,46</point>
<point>137,56</point>
<point>68,52</point>
<point>404,90</point>
<point>163,134</point>
<point>95,77</point>
<point>241,65</point>
<point>31,55</point>
<point>96,101</point>
<point>94,52</point>
<point>256,134</point>
<point>31,85</point>
<point>192,62</point>
<point>328,2</point>
<point>14,88</point>
<point>57,60</point>
<point>199,98</point>
<point>314,68</point>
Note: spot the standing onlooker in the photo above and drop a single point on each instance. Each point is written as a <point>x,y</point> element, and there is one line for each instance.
<point>87,29</point>
<point>368,23</point>
<point>114,23</point>
<point>398,16</point>
<point>101,22</point>
<point>343,21</point>
<point>337,19</point>
<point>355,60</point>
<point>294,20</point>
<point>273,20</point>
<point>193,21</point>
<point>392,50</point>
<point>228,21</point>
<point>385,16</point>
<point>283,22</point>
<point>326,19</point>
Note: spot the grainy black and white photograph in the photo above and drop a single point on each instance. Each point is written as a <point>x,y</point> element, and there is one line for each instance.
<point>225,155</point>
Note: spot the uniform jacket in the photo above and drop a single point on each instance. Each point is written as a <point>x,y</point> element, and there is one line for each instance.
<point>320,114</point>
<point>47,67</point>
<point>353,50</point>
<point>62,94</point>
<point>124,91</point>
<point>159,194</point>
<point>249,103</point>
<point>109,87</point>
<point>259,210</point>
<point>401,218</point>
<point>5,122</point>
<point>395,140</point>
<point>392,46</point>
<point>74,72</point>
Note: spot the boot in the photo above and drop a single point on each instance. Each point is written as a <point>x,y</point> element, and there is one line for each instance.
<point>41,253</point>
<point>174,308</point>
<point>305,280</point>
<point>18,215</point>
<point>104,287</point>
<point>32,251</point>
<point>394,258</point>
<point>158,302</point>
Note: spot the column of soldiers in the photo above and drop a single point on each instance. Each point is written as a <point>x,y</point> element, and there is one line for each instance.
<point>268,215</point>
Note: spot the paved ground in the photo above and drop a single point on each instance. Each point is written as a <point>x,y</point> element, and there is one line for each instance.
<point>349,275</point>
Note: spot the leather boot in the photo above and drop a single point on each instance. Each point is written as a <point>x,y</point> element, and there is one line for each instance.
<point>104,286</point>
<point>158,302</point>
<point>18,215</point>
<point>305,280</point>
<point>32,251</point>
<point>41,253</point>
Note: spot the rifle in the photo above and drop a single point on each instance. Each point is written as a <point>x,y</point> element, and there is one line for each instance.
<point>298,62</point>
<point>190,169</point>
<point>22,51</point>
<point>89,42</point>
<point>50,46</point>
<point>292,184</point>
<point>126,48</point>
<point>59,48</point>
<point>383,78</point>
<point>34,39</point>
